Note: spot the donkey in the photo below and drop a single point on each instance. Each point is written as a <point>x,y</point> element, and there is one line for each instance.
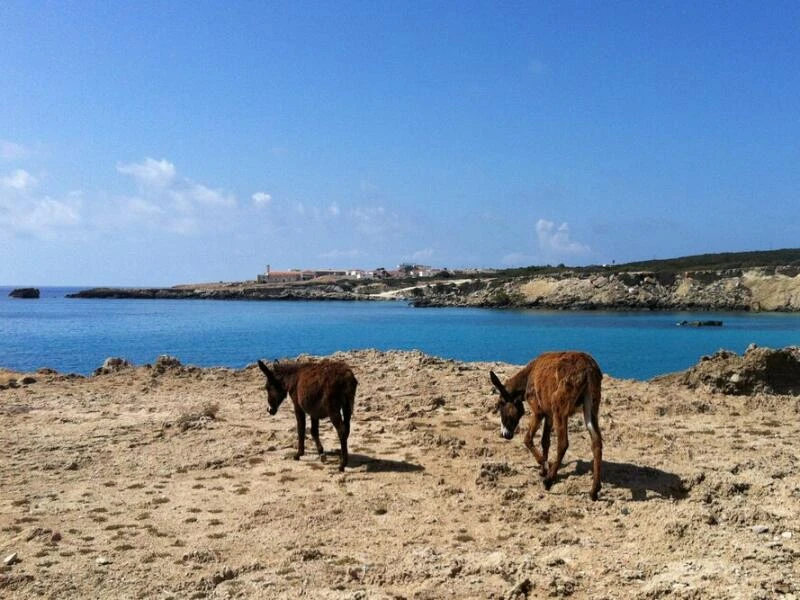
<point>318,389</point>
<point>555,386</point>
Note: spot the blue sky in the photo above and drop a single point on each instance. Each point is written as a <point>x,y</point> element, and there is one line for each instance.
<point>154,143</point>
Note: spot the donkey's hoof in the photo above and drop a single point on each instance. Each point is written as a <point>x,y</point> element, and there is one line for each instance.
<point>548,482</point>
<point>341,468</point>
<point>297,456</point>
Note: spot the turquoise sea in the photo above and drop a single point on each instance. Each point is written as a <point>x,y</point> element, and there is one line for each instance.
<point>75,335</point>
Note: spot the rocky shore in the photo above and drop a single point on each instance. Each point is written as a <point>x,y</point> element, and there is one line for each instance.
<point>223,291</point>
<point>172,481</point>
<point>762,289</point>
<point>765,289</point>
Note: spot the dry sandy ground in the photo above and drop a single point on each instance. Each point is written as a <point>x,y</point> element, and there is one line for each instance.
<point>124,486</point>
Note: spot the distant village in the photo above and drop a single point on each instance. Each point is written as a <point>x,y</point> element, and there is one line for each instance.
<point>401,272</point>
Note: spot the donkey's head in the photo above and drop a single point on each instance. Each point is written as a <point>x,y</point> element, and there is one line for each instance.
<point>276,390</point>
<point>510,406</point>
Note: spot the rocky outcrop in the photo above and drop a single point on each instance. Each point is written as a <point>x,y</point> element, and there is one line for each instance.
<point>225,292</point>
<point>113,365</point>
<point>27,293</point>
<point>759,370</point>
<point>773,289</point>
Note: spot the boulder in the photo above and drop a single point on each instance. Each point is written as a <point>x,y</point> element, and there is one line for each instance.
<point>112,365</point>
<point>166,363</point>
<point>759,370</point>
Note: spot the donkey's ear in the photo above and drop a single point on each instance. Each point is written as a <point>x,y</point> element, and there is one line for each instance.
<point>265,369</point>
<point>499,385</point>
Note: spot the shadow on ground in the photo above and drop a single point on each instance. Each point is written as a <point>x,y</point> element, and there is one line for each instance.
<point>645,483</point>
<point>382,465</point>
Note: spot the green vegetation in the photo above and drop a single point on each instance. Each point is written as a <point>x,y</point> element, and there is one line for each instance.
<point>699,262</point>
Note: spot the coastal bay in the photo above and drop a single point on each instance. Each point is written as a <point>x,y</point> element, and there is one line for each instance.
<point>72,335</point>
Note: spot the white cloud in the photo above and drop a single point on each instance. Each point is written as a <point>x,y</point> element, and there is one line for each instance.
<point>161,184</point>
<point>40,217</point>
<point>11,151</point>
<point>261,199</point>
<point>48,213</point>
<point>334,210</point>
<point>143,208</point>
<point>424,254</point>
<point>205,195</point>
<point>183,226</point>
<point>342,254</point>
<point>556,240</point>
<point>19,180</point>
<point>25,212</point>
<point>374,220</point>
<point>151,172</point>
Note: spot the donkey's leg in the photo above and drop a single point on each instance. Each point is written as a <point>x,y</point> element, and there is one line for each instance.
<point>560,425</point>
<point>346,432</point>
<point>548,428</point>
<point>533,426</point>
<point>593,425</point>
<point>301,432</point>
<point>343,431</point>
<point>315,437</point>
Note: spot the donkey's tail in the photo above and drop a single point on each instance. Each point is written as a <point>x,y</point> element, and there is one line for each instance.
<point>591,403</point>
<point>350,393</point>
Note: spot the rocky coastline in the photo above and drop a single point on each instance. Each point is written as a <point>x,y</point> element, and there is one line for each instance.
<point>774,289</point>
<point>763,289</point>
<point>224,292</point>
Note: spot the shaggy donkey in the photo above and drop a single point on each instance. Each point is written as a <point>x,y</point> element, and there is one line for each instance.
<point>319,390</point>
<point>555,386</point>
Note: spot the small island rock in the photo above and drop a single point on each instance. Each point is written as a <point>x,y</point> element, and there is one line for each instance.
<point>24,293</point>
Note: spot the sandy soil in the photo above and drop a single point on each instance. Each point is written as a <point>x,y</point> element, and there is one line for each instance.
<point>176,483</point>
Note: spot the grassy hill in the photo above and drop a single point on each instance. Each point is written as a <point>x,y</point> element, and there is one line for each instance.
<point>699,262</point>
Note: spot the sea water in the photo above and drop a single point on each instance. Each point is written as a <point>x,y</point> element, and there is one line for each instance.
<point>77,335</point>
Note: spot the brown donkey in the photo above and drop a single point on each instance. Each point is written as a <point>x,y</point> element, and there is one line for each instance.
<point>555,386</point>
<point>319,390</point>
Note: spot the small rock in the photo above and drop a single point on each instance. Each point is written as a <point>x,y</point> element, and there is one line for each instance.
<point>759,529</point>
<point>102,560</point>
<point>11,559</point>
<point>224,575</point>
<point>523,588</point>
<point>625,511</point>
<point>787,535</point>
<point>112,364</point>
